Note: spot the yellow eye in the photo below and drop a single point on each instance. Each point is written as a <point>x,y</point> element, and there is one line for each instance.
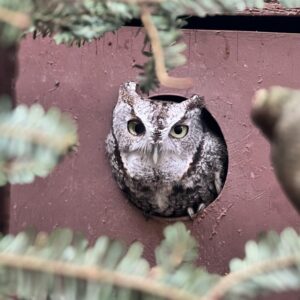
<point>179,131</point>
<point>136,127</point>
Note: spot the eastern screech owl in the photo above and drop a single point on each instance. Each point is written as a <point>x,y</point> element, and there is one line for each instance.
<point>164,155</point>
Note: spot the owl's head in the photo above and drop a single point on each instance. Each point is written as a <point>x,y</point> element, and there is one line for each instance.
<point>156,131</point>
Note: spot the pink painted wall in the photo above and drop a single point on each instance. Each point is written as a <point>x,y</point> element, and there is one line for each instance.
<point>228,67</point>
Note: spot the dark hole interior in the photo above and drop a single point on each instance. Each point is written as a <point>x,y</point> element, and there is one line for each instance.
<point>207,118</point>
<point>275,23</point>
<point>170,98</point>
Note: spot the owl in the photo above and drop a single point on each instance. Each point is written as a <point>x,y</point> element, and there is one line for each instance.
<point>169,158</point>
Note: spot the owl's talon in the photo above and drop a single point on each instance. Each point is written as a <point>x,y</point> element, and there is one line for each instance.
<point>191,213</point>
<point>218,182</point>
<point>201,208</point>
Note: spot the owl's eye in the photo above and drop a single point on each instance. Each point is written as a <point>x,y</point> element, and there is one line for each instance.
<point>136,127</point>
<point>179,131</point>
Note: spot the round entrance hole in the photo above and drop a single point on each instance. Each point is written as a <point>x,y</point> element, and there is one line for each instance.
<point>212,127</point>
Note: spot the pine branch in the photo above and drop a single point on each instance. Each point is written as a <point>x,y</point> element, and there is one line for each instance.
<point>177,249</point>
<point>271,265</point>
<point>80,21</point>
<point>32,141</point>
<point>15,17</point>
<point>235,278</point>
<point>94,274</point>
<point>20,20</point>
<point>62,266</point>
<point>90,273</point>
<point>158,55</point>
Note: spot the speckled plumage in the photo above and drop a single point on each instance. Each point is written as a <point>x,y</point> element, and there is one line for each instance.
<point>184,173</point>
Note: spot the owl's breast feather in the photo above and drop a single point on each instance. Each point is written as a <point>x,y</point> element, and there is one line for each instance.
<point>169,168</point>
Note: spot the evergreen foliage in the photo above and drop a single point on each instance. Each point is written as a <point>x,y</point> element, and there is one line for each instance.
<point>63,266</point>
<point>271,247</point>
<point>79,21</point>
<point>32,141</point>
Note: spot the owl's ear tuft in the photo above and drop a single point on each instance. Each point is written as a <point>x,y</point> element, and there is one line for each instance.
<point>128,92</point>
<point>195,101</point>
<point>129,87</point>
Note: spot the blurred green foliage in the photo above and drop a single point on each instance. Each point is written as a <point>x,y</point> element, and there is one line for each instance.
<point>32,141</point>
<point>79,21</point>
<point>76,22</point>
<point>63,266</point>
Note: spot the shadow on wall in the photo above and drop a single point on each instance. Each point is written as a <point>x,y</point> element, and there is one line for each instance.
<point>8,74</point>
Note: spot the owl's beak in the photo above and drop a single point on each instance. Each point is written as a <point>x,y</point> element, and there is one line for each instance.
<point>155,154</point>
